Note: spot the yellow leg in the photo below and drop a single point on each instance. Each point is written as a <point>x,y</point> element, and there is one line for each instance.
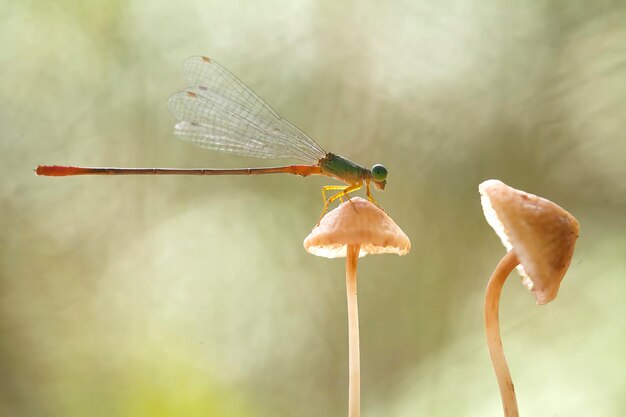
<point>344,190</point>
<point>331,188</point>
<point>371,198</point>
<point>368,191</point>
<point>326,188</point>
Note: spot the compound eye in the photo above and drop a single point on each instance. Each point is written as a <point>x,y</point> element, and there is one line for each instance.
<point>379,172</point>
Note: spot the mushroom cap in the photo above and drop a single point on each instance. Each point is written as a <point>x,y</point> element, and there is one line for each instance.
<point>542,234</point>
<point>356,222</point>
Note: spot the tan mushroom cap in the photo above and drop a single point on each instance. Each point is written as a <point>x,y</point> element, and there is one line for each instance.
<point>356,222</point>
<point>542,234</point>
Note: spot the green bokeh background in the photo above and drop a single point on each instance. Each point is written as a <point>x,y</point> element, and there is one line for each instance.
<point>193,296</point>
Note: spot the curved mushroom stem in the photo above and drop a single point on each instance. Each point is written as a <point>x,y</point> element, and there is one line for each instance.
<point>354,382</point>
<point>492,330</point>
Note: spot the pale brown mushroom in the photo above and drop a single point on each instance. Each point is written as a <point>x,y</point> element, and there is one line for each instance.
<point>355,228</point>
<point>539,237</point>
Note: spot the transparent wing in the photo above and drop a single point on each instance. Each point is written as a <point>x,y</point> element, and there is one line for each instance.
<point>221,113</point>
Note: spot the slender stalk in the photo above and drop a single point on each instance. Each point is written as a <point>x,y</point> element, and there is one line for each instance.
<point>354,382</point>
<point>492,330</point>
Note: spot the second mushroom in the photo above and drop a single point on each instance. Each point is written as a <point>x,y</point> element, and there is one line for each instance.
<point>539,237</point>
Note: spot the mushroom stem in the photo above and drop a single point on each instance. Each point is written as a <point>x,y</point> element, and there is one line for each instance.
<point>354,382</point>
<point>492,330</point>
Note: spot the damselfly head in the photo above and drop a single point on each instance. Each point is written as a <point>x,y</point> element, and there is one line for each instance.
<point>379,172</point>
<point>379,175</point>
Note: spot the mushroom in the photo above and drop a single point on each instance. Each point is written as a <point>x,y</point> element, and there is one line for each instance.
<point>354,229</point>
<point>539,237</point>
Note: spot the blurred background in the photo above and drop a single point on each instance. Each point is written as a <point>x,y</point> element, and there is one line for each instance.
<point>140,296</point>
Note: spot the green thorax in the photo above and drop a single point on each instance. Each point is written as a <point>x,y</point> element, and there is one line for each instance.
<point>343,169</point>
